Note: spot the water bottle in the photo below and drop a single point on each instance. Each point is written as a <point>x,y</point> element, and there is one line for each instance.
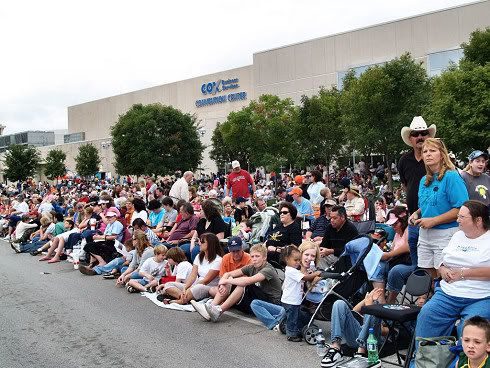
<point>321,348</point>
<point>312,267</point>
<point>372,347</point>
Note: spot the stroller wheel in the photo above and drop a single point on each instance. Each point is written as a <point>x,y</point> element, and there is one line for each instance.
<point>310,333</point>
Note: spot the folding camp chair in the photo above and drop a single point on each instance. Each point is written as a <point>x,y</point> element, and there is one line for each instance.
<point>399,315</point>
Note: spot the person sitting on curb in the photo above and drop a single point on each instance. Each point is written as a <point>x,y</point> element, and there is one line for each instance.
<point>239,288</point>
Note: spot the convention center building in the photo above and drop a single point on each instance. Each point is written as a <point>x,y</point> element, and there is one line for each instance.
<point>294,70</point>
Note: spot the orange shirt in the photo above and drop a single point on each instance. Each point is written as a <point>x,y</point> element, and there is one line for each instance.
<point>228,264</point>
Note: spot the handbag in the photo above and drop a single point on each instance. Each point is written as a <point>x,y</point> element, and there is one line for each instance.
<point>433,352</point>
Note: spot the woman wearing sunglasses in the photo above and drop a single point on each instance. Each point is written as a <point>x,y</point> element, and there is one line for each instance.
<point>287,232</point>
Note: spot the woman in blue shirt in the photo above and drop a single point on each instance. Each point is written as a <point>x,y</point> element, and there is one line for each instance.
<point>441,193</point>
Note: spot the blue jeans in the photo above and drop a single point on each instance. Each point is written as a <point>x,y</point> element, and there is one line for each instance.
<point>267,313</point>
<point>30,247</point>
<point>398,276</point>
<point>296,319</point>
<point>186,248</point>
<point>413,239</point>
<point>438,316</point>
<point>345,326</point>
<point>115,264</point>
<point>381,272</point>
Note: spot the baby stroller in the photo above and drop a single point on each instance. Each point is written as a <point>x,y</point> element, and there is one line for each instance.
<point>341,281</point>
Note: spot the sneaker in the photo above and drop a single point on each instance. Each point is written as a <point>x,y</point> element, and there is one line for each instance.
<point>35,252</point>
<point>295,339</point>
<point>214,311</point>
<point>332,358</point>
<point>6,237</point>
<point>15,247</point>
<point>277,328</point>
<point>109,276</point>
<point>201,309</point>
<point>86,270</point>
<point>131,289</point>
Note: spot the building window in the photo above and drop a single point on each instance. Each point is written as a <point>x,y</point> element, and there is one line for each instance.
<point>74,137</point>
<point>357,71</point>
<point>437,62</point>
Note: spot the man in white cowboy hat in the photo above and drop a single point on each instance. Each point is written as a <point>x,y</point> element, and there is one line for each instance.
<point>354,205</point>
<point>411,169</point>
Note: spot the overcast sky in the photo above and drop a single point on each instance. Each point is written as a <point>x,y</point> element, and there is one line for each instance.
<point>56,54</point>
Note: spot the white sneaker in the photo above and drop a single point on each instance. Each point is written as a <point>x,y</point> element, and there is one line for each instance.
<point>214,311</point>
<point>201,309</point>
<point>332,358</point>
<point>6,237</point>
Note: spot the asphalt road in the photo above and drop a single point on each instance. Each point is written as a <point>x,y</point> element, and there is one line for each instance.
<point>65,319</point>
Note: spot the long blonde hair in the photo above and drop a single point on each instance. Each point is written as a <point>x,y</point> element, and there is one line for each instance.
<point>446,163</point>
<point>308,244</point>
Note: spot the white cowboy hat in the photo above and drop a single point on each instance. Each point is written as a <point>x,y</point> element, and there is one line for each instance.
<point>418,123</point>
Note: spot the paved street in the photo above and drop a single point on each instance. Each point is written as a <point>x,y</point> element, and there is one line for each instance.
<point>67,319</point>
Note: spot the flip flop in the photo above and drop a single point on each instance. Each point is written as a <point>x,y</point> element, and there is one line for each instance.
<point>54,260</point>
<point>45,258</point>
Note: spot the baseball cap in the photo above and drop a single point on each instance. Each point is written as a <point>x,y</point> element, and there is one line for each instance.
<point>475,154</point>
<point>110,214</point>
<point>330,202</point>
<point>392,218</point>
<point>296,190</point>
<point>298,179</point>
<point>235,164</point>
<point>235,243</point>
<point>102,201</point>
<point>240,200</point>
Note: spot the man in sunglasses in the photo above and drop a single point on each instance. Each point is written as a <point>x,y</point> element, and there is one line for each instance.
<point>411,169</point>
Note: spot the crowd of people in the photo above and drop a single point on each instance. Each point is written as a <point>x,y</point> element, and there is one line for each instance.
<point>200,241</point>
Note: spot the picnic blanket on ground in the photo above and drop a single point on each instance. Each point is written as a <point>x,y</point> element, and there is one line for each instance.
<point>174,306</point>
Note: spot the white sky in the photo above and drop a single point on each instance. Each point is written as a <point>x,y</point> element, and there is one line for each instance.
<point>55,54</point>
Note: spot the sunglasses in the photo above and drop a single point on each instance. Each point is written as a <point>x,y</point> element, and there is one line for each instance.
<point>284,212</point>
<point>422,133</point>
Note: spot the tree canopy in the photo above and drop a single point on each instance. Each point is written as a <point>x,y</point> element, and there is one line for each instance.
<point>87,160</point>
<point>21,161</point>
<point>460,104</point>
<point>319,128</point>
<point>156,140</point>
<point>380,102</point>
<point>55,164</point>
<point>261,134</point>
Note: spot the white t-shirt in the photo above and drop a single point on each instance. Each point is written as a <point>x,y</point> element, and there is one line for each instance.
<point>45,208</point>
<point>292,287</point>
<point>22,207</point>
<point>182,270</point>
<point>462,252</point>
<point>204,267</point>
<point>142,215</point>
<point>154,268</point>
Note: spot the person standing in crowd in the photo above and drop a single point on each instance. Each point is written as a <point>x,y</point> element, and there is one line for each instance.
<point>238,181</point>
<point>477,182</point>
<point>411,169</point>
<point>315,187</point>
<point>441,193</point>
<point>180,189</point>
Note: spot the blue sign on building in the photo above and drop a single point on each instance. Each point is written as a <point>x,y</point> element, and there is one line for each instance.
<point>221,85</point>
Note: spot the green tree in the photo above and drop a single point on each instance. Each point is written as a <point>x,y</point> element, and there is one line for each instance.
<point>477,50</point>
<point>460,104</point>
<point>380,102</point>
<point>262,133</point>
<point>87,160</point>
<point>55,164</point>
<point>20,162</point>
<point>220,152</point>
<point>319,128</point>
<point>156,140</point>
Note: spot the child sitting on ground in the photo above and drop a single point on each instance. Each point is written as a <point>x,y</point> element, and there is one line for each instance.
<point>476,344</point>
<point>151,271</point>
<point>182,268</point>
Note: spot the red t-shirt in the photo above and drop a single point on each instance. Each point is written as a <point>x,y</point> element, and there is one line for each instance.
<point>238,182</point>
